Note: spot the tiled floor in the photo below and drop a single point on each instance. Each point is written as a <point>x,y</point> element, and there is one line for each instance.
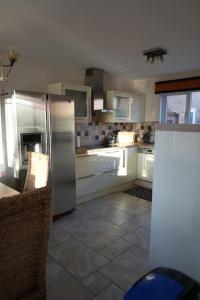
<point>99,250</point>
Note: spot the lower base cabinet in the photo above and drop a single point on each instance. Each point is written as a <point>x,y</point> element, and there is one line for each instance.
<point>106,169</point>
<point>145,167</point>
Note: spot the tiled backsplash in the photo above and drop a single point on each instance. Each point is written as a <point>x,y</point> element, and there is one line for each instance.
<point>93,133</point>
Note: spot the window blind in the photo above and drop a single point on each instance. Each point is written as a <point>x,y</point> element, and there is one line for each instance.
<point>177,85</point>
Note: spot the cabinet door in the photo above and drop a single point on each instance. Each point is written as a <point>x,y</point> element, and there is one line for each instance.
<point>121,107</point>
<point>108,169</point>
<point>138,109</point>
<point>132,159</point>
<point>80,102</point>
<point>81,95</point>
<point>98,164</point>
<point>145,167</point>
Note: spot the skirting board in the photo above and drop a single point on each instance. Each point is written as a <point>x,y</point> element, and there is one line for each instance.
<point>117,188</point>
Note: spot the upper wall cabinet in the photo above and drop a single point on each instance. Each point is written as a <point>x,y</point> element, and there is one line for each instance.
<point>152,108</point>
<point>138,108</point>
<point>126,107</point>
<point>81,96</point>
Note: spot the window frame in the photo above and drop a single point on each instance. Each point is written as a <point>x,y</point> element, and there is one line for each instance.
<point>163,106</point>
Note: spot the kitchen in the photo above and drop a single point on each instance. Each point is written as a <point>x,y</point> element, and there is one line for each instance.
<point>99,128</point>
<point>127,134</point>
<point>101,171</point>
<point>114,146</point>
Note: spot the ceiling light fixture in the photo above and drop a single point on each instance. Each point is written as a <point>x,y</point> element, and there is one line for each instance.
<point>155,54</point>
<point>13,57</point>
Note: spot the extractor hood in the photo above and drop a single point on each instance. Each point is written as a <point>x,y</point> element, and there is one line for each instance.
<point>94,78</point>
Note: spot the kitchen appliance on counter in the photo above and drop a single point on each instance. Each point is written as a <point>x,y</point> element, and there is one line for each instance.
<point>145,164</point>
<point>42,123</point>
<point>126,137</point>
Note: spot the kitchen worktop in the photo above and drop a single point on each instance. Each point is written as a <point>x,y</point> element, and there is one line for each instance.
<point>94,150</point>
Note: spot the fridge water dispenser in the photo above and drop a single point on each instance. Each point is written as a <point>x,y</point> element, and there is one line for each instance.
<point>30,142</point>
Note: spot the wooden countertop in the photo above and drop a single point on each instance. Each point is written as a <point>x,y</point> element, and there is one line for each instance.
<point>84,151</point>
<point>6,191</point>
<point>178,127</point>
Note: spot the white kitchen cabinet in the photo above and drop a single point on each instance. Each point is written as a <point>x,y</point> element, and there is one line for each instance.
<point>126,107</point>
<point>138,108</point>
<point>152,108</point>
<point>132,157</point>
<point>81,95</point>
<point>92,170</point>
<point>106,169</point>
<point>98,163</point>
<point>145,165</point>
<point>121,104</point>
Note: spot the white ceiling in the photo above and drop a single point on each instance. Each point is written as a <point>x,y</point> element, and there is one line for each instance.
<point>109,34</point>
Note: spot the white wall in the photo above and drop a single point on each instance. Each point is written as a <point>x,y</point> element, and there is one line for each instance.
<point>35,75</point>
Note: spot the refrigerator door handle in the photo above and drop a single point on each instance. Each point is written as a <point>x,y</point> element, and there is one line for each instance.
<point>48,131</point>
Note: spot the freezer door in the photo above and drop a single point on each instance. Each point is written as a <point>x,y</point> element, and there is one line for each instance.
<point>22,114</point>
<point>62,153</point>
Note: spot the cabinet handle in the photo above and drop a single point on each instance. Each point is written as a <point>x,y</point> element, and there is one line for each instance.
<point>88,176</point>
<point>124,158</point>
<point>112,171</point>
<point>109,152</point>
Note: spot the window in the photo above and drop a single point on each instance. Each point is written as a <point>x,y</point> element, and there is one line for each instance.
<point>195,108</point>
<point>176,108</point>
<point>180,108</point>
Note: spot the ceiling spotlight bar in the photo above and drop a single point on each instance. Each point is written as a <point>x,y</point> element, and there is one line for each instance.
<point>155,54</point>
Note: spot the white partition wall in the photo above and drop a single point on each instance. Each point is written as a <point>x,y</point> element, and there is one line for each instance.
<point>175,232</point>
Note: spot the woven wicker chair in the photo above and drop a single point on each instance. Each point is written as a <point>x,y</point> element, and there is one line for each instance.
<point>25,221</point>
<point>37,171</point>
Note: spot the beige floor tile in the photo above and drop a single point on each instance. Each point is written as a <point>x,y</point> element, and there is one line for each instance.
<point>115,249</point>
<point>111,293</point>
<point>140,237</point>
<point>77,259</point>
<point>96,282</point>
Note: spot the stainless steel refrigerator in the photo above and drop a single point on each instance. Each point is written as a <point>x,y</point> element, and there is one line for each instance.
<point>32,121</point>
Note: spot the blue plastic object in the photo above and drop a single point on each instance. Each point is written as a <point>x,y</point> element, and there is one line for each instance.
<point>155,287</point>
<point>164,284</point>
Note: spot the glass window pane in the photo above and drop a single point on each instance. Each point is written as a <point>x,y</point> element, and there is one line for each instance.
<point>195,108</point>
<point>176,108</point>
<point>80,102</point>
